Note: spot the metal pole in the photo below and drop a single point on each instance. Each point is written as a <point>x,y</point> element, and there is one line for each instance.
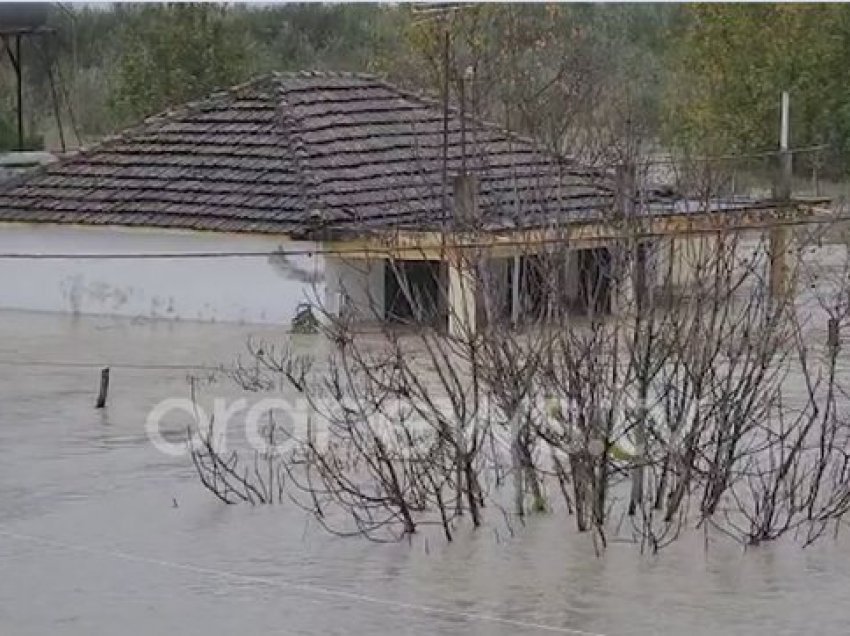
<point>785,158</point>
<point>783,132</point>
<point>778,235</point>
<point>446,44</point>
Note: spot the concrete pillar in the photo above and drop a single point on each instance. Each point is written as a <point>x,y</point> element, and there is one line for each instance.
<point>462,296</point>
<point>778,263</point>
<point>571,276</point>
<point>622,284</point>
<point>640,276</point>
<point>463,288</point>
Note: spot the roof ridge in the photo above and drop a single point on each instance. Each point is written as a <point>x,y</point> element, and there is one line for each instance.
<point>308,73</point>
<point>291,129</point>
<point>427,98</point>
<point>294,123</point>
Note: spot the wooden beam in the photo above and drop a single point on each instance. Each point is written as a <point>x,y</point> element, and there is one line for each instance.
<point>433,245</point>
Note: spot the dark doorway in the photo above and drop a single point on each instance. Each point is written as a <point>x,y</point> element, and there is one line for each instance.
<point>535,276</point>
<point>594,279</point>
<point>547,286</point>
<point>544,291</point>
<point>414,292</point>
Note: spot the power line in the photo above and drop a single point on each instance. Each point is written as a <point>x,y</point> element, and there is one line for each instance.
<point>99,365</point>
<point>671,160</point>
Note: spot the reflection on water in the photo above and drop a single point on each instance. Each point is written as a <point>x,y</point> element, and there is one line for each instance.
<point>120,557</point>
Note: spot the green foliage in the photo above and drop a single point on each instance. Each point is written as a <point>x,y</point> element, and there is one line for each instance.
<point>539,504</point>
<point>129,60</point>
<point>731,63</point>
<point>698,77</point>
<point>173,53</point>
<point>539,67</point>
<point>315,36</point>
<point>9,135</point>
<point>304,321</point>
<point>554,71</point>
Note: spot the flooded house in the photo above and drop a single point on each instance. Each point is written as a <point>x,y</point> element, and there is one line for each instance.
<point>325,189</point>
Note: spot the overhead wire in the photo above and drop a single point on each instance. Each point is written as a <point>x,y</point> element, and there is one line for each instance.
<point>59,364</point>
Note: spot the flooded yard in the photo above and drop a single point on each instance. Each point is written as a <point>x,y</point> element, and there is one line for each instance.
<point>100,533</point>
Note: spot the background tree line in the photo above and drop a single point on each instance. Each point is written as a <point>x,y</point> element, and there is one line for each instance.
<point>700,77</point>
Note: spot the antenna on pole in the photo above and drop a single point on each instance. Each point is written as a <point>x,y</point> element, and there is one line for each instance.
<point>442,11</point>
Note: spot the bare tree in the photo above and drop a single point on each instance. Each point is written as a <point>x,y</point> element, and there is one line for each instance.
<point>635,355</point>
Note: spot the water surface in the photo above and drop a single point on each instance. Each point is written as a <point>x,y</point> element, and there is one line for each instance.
<point>91,541</point>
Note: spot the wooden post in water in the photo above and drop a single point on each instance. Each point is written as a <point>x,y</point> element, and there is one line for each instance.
<point>833,333</point>
<point>104,388</point>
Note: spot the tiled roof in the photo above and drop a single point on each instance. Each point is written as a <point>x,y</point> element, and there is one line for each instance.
<point>290,152</point>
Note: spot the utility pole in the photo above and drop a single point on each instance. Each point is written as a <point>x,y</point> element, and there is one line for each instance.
<point>785,159</point>
<point>782,196</point>
<point>445,166</point>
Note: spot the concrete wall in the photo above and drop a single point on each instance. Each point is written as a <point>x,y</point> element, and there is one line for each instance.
<point>693,256</point>
<point>355,286</point>
<point>682,260</point>
<point>258,289</point>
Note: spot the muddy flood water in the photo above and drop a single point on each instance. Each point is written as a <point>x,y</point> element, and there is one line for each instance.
<point>100,533</point>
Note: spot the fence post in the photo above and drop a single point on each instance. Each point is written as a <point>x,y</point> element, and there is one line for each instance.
<point>104,388</point>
